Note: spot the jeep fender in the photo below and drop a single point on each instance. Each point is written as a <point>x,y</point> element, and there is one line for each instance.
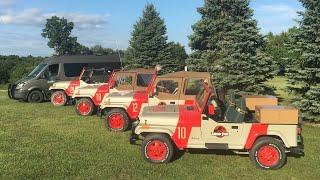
<point>105,108</point>
<point>141,129</point>
<point>82,96</point>
<point>288,142</point>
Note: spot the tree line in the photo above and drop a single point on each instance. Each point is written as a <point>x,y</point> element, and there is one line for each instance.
<point>226,42</point>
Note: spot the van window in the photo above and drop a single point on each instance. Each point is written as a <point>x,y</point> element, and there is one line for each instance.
<point>73,69</point>
<point>193,86</point>
<point>51,72</point>
<point>143,80</point>
<point>54,69</point>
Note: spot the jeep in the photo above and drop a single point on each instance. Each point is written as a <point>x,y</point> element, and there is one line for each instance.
<point>267,137</point>
<point>120,109</point>
<point>89,97</point>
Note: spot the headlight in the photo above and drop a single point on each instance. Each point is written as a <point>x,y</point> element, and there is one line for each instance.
<point>20,85</point>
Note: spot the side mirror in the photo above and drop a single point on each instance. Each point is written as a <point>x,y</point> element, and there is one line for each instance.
<point>211,110</point>
<point>153,92</point>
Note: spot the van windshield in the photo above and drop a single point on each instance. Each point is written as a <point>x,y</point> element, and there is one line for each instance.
<point>37,70</point>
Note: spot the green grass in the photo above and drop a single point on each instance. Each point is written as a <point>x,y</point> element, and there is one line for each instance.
<point>42,141</point>
<point>3,86</point>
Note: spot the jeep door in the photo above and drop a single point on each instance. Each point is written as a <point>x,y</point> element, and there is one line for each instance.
<point>167,91</point>
<point>222,135</point>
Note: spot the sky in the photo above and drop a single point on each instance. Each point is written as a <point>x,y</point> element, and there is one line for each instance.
<point>109,23</point>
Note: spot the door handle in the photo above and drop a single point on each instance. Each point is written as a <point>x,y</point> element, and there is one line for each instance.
<point>234,127</point>
<point>172,102</point>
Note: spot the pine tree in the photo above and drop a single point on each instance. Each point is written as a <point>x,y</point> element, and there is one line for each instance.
<point>304,75</point>
<point>227,39</point>
<point>148,44</point>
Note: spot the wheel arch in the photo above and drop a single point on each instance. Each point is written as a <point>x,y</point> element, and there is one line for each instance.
<point>35,88</point>
<point>275,136</point>
<point>104,109</point>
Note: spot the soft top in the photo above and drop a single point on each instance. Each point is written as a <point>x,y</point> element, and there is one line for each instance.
<point>82,59</point>
<point>188,74</point>
<point>139,70</point>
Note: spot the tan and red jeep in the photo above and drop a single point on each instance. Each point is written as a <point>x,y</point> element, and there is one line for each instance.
<point>89,97</point>
<point>62,91</point>
<point>119,109</point>
<point>267,138</point>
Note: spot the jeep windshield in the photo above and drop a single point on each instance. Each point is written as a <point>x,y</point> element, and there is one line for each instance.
<point>143,80</point>
<point>201,96</point>
<point>37,70</point>
<point>95,76</point>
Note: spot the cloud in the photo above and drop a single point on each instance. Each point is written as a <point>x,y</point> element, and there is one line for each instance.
<point>6,2</point>
<point>35,17</point>
<point>280,10</point>
<point>276,17</point>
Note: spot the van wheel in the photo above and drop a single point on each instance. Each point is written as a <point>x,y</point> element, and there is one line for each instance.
<point>157,148</point>
<point>116,120</point>
<point>35,96</point>
<point>268,153</point>
<point>85,107</point>
<point>59,98</point>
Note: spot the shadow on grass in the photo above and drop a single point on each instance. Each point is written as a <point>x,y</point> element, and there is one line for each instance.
<point>178,154</point>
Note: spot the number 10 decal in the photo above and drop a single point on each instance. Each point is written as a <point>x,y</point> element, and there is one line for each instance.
<point>182,132</point>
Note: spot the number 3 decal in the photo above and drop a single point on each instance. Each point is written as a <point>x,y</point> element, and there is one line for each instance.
<point>181,132</point>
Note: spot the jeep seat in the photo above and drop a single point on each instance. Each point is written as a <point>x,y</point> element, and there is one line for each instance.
<point>237,112</point>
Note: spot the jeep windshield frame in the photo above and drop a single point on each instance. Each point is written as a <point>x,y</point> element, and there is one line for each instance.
<point>37,70</point>
<point>202,97</point>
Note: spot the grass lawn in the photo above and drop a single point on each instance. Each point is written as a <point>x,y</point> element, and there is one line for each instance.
<point>42,141</point>
<point>3,86</point>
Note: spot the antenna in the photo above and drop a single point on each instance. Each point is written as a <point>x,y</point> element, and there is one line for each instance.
<point>119,54</point>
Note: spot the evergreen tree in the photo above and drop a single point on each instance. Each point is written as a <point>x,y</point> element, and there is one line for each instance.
<point>227,39</point>
<point>277,47</point>
<point>304,74</point>
<point>176,58</point>
<point>148,44</point>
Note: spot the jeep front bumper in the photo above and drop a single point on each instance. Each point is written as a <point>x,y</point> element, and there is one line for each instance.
<point>134,137</point>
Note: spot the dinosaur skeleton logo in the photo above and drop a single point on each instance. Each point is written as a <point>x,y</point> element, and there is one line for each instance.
<point>220,132</point>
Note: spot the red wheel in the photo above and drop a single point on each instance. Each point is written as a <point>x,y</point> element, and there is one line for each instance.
<point>58,98</point>
<point>84,107</point>
<point>156,150</point>
<point>268,155</point>
<point>116,121</point>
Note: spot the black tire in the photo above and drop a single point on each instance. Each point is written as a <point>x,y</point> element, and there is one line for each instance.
<point>35,96</point>
<point>85,107</point>
<point>160,157</point>
<point>107,119</point>
<point>277,147</point>
<point>63,100</point>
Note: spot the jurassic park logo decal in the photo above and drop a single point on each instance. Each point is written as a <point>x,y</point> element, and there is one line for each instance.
<point>220,131</point>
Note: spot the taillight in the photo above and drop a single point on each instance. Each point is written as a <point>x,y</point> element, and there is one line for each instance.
<point>299,130</point>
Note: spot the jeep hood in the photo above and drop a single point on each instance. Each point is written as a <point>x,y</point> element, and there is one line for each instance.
<point>160,115</point>
<point>60,85</point>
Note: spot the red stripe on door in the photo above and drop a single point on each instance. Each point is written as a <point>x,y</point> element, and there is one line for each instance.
<point>256,131</point>
<point>134,108</point>
<point>102,90</point>
<point>72,85</point>
<point>189,117</point>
